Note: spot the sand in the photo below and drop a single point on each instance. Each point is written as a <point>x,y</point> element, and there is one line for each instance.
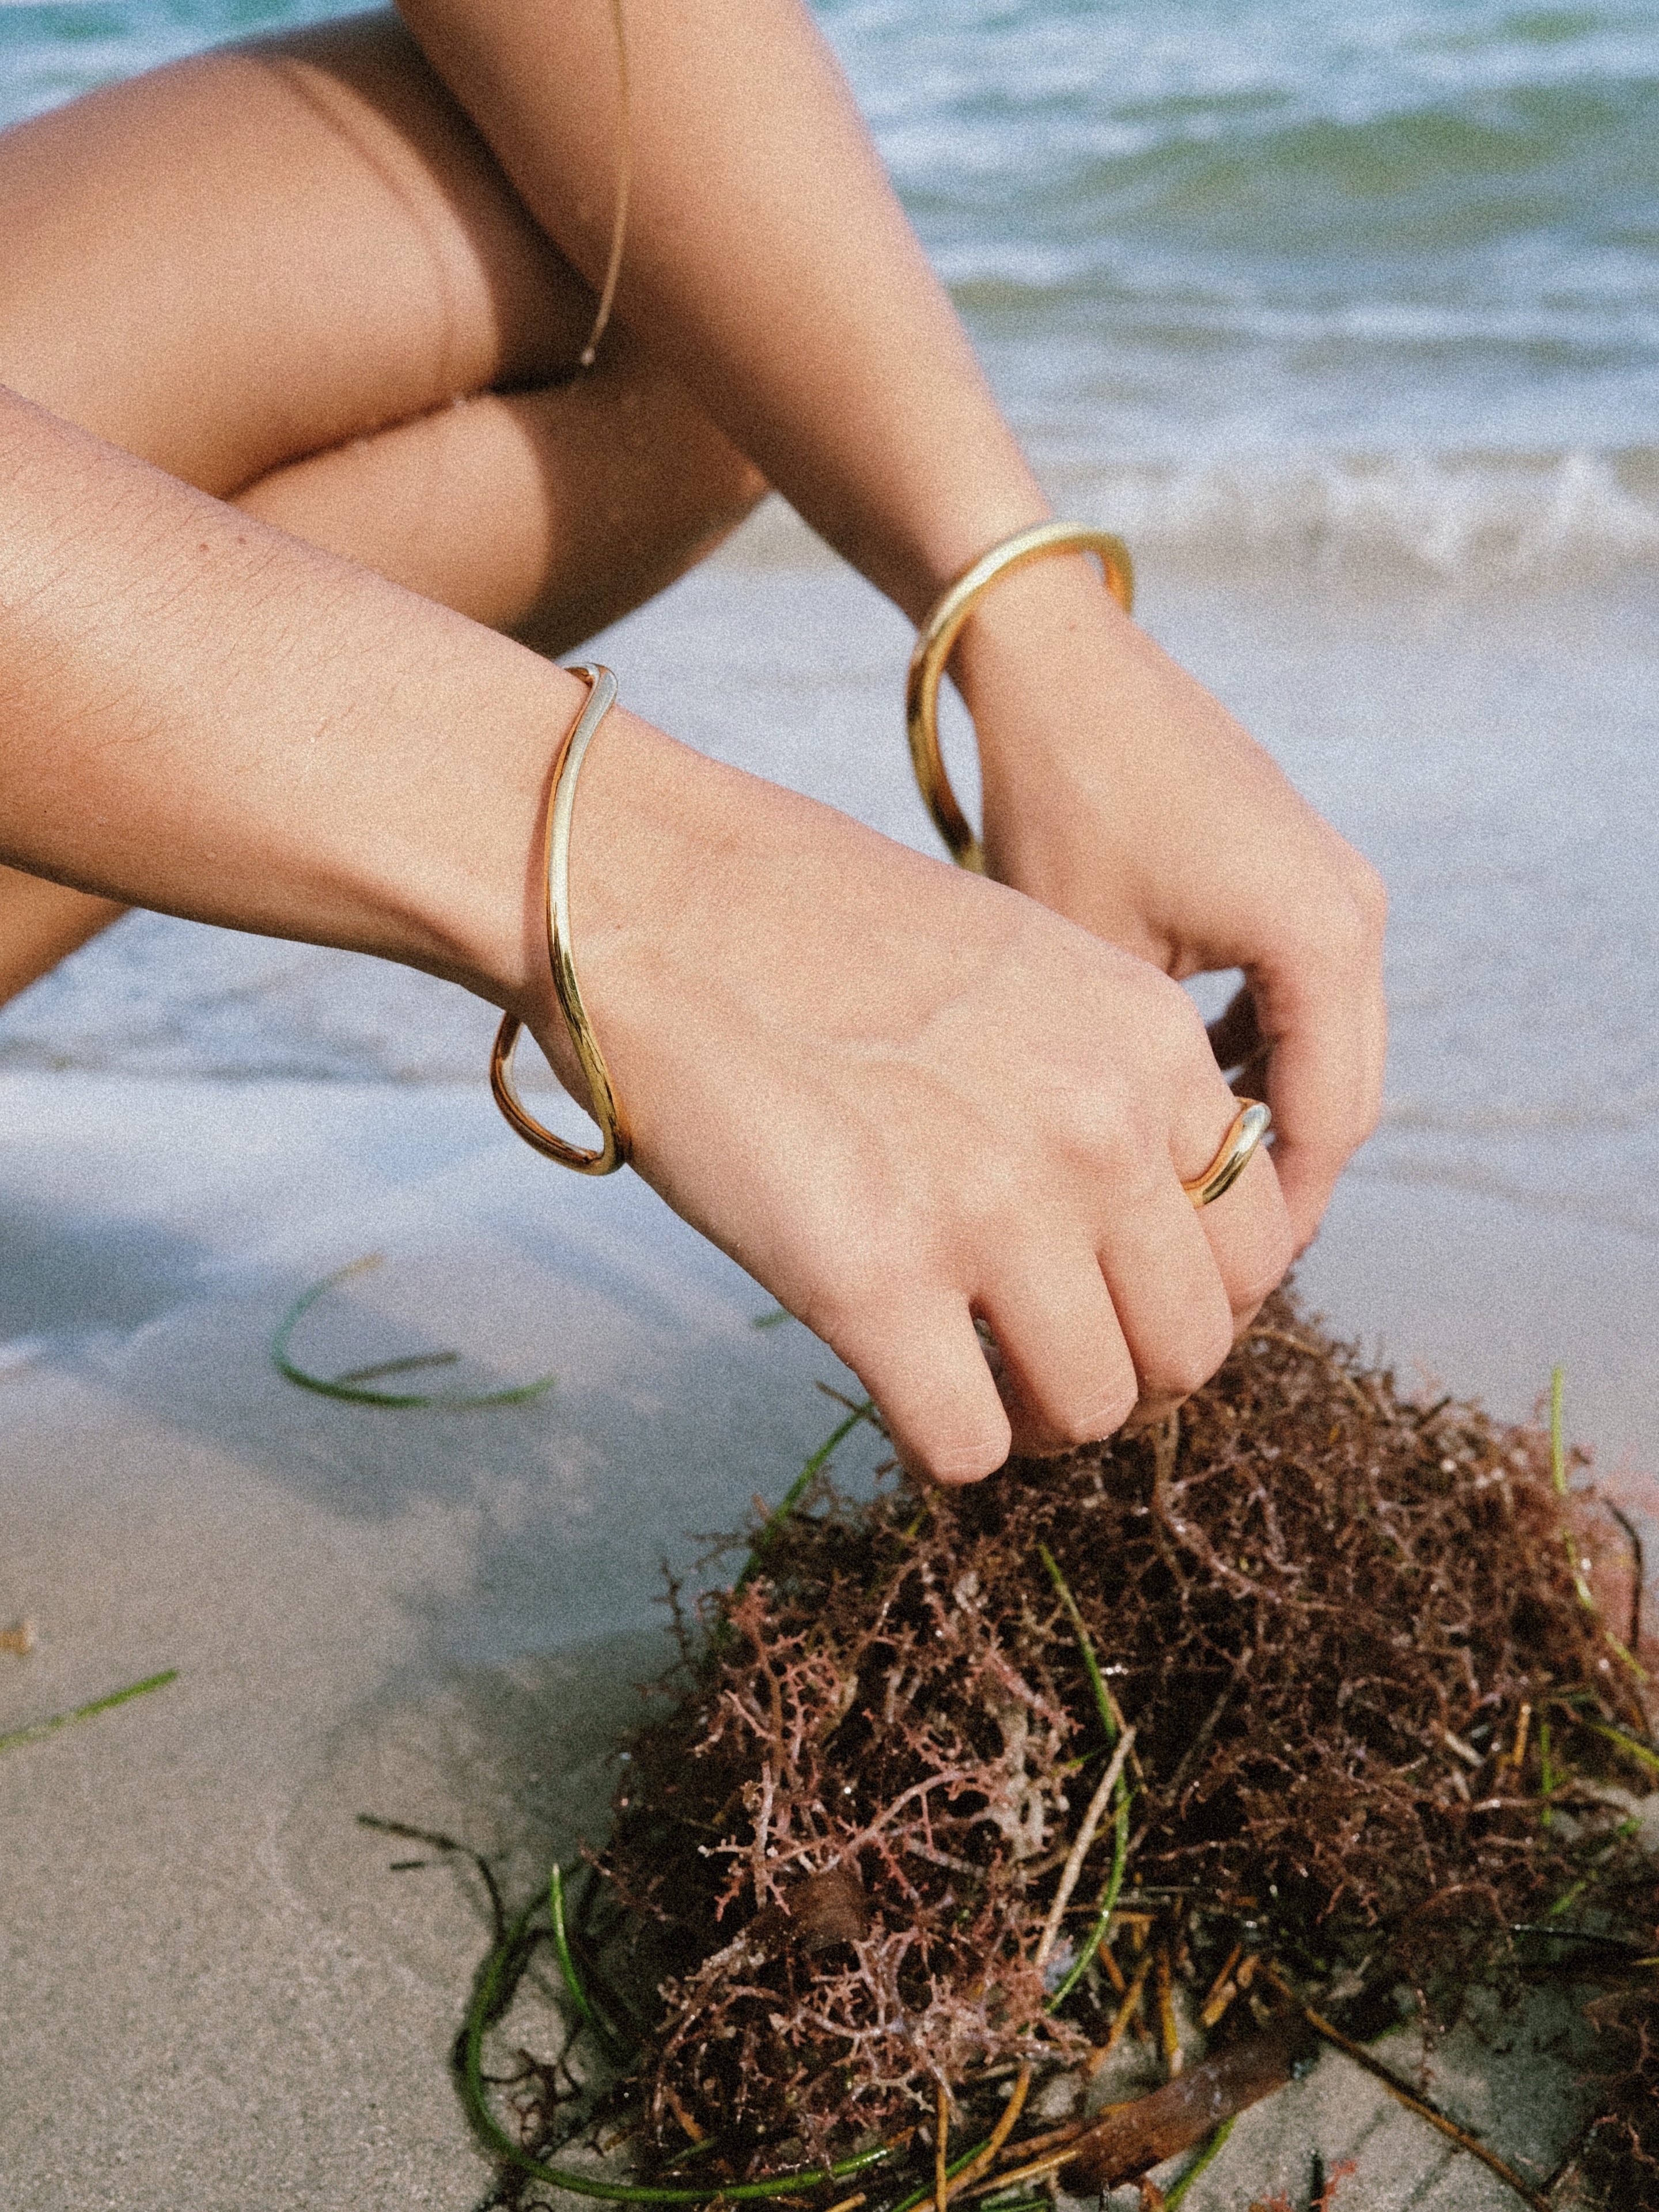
<point>217,1994</point>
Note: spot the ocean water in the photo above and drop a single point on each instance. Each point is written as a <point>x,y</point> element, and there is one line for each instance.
<point>1333,285</point>
<point>1349,316</point>
<point>1338,282</point>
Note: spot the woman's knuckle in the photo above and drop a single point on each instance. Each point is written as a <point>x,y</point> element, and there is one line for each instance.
<point>1187,1363</point>
<point>1355,913</point>
<point>851,1309</point>
<point>1092,1121</point>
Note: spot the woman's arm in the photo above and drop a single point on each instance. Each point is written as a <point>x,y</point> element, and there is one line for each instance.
<point>901,1096</point>
<point>768,259</point>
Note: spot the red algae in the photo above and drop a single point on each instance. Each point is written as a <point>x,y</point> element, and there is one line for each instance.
<point>1381,1742</point>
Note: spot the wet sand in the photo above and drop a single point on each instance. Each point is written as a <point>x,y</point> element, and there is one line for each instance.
<point>218,1993</point>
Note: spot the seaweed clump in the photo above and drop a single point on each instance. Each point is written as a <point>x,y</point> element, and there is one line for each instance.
<point>1299,1702</point>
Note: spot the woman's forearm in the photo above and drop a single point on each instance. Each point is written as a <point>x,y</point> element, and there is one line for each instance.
<point>980,1111</point>
<point>201,715</point>
<point>770,258</point>
<point>766,255</point>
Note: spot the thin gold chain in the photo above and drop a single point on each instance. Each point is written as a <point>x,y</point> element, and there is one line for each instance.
<point>624,168</point>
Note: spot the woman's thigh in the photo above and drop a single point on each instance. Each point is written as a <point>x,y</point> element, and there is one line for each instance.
<point>269,250</point>
<point>546,513</point>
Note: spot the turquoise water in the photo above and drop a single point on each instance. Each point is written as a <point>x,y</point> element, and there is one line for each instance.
<point>1332,284</point>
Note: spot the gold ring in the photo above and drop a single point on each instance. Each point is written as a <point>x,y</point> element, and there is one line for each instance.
<point>607,1111</point>
<point>939,633</point>
<point>1249,1125</point>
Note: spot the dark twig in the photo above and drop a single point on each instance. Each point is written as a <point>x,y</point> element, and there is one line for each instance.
<point>1639,1575</point>
<point>1200,1744</point>
<point>435,1840</point>
<point>1326,1360</point>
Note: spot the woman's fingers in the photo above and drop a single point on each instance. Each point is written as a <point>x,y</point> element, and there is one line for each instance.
<point>1182,1277</point>
<point>1082,1340</point>
<point>1168,1292</point>
<point>1250,1235</point>
<point>920,1359</point>
<point>1068,1375</point>
<point>1309,1032</point>
<point>1120,794</point>
<point>1320,1010</point>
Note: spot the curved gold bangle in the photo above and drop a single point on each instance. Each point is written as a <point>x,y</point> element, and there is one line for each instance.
<point>1249,1125</point>
<point>938,633</point>
<point>607,1112</point>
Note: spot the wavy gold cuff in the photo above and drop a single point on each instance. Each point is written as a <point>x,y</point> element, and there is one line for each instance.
<point>607,1111</point>
<point>939,633</point>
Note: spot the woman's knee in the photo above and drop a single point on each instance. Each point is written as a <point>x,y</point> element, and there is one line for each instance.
<point>292,273</point>
<point>263,251</point>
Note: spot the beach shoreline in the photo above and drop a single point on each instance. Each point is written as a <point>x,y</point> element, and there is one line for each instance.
<point>417,1615</point>
<point>1348,321</point>
<point>432,1618</point>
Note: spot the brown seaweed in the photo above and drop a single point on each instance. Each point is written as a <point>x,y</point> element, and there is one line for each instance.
<point>1379,1736</point>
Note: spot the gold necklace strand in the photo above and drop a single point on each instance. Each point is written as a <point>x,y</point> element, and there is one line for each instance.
<point>625,166</point>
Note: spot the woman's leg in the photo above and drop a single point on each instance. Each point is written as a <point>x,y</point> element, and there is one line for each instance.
<point>546,513</point>
<point>42,923</point>
<point>292,275</point>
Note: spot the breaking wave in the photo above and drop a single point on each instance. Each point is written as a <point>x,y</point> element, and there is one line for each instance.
<point>1564,519</point>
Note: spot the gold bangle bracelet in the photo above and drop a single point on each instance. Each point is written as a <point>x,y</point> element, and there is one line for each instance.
<point>1249,1125</point>
<point>607,1111</point>
<point>939,633</point>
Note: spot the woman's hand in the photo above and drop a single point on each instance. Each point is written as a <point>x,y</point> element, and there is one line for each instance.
<point>906,1099</point>
<point>768,261</point>
<point>903,1098</point>
<point>1119,793</point>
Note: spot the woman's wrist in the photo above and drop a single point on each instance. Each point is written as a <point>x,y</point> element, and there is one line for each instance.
<point>1041,643</point>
